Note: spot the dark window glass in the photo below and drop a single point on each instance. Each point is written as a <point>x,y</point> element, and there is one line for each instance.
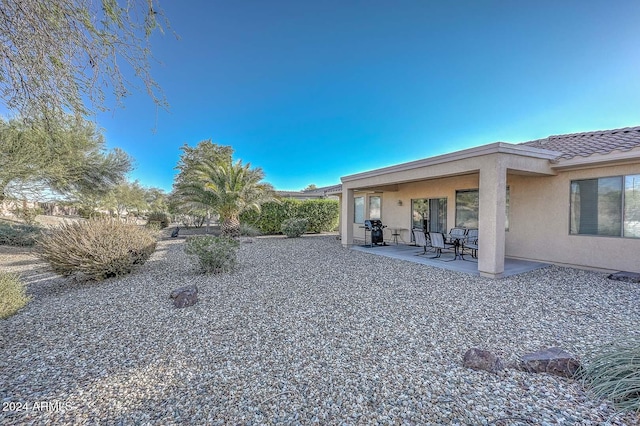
<point>596,206</point>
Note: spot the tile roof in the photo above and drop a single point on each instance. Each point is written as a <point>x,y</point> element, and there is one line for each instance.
<point>588,143</point>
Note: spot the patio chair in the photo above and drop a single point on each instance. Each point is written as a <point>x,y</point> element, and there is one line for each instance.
<point>457,234</point>
<point>420,239</point>
<point>471,243</point>
<point>438,243</point>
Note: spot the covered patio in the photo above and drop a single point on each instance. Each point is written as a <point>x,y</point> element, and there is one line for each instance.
<point>469,265</point>
<point>389,192</point>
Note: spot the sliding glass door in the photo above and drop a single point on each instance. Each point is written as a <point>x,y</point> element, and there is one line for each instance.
<point>429,214</point>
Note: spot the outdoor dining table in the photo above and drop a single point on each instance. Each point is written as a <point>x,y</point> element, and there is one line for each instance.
<point>457,243</point>
<point>396,232</point>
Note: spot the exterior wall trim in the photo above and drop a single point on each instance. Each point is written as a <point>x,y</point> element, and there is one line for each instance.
<point>494,148</point>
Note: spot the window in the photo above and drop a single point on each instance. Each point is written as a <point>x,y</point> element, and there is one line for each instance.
<point>467,207</point>
<point>632,206</point>
<point>358,216</point>
<point>374,207</point>
<point>608,206</point>
<point>429,214</point>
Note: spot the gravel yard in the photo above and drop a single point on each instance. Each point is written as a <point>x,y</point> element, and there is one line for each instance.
<point>303,332</point>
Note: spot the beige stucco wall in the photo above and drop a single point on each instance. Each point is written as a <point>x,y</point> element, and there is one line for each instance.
<point>539,224</point>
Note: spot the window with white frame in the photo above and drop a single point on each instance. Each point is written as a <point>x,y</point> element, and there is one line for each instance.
<point>358,215</point>
<point>608,206</point>
<point>375,204</point>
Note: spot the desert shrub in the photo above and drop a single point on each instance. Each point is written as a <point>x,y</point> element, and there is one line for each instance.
<point>18,234</point>
<point>96,249</point>
<point>249,231</point>
<point>91,213</point>
<point>294,227</point>
<point>28,214</point>
<point>615,375</point>
<point>13,295</point>
<point>215,254</point>
<point>159,218</point>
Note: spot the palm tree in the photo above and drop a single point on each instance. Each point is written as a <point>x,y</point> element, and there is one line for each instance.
<point>191,198</point>
<point>231,189</point>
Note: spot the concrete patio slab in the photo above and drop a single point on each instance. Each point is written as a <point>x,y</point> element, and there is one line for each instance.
<point>469,265</point>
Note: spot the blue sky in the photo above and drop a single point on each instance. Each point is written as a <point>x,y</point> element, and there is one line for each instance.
<point>314,90</point>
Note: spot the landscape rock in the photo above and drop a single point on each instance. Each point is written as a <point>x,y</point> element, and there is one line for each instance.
<point>479,359</point>
<point>632,277</point>
<point>185,296</point>
<point>553,361</point>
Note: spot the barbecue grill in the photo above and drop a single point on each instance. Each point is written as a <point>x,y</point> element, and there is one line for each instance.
<point>375,227</point>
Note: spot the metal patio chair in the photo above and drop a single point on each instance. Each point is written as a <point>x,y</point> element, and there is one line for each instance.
<point>420,239</point>
<point>471,243</point>
<point>438,243</point>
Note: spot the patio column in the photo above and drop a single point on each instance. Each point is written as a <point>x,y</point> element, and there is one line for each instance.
<point>347,211</point>
<point>491,219</point>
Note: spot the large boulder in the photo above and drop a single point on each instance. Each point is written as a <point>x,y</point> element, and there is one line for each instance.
<point>479,359</point>
<point>553,361</point>
<point>184,296</point>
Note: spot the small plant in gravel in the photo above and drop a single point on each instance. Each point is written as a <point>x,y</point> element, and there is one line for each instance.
<point>159,219</point>
<point>615,374</point>
<point>12,294</point>
<point>96,249</point>
<point>215,254</point>
<point>294,227</point>
<point>18,235</point>
<point>249,231</point>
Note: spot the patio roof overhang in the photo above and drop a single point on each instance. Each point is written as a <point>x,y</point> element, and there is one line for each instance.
<point>518,158</point>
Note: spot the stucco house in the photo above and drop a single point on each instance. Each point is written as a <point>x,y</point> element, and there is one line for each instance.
<point>569,199</point>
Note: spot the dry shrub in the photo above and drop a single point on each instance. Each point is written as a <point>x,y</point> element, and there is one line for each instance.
<point>96,249</point>
<point>12,294</point>
<point>215,254</point>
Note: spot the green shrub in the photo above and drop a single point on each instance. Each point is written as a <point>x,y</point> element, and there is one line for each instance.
<point>18,234</point>
<point>295,227</point>
<point>249,231</point>
<point>322,215</point>
<point>96,249</point>
<point>13,295</point>
<point>160,218</point>
<point>615,374</point>
<point>272,214</point>
<point>215,254</point>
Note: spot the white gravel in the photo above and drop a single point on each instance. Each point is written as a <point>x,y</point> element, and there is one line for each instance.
<point>304,332</point>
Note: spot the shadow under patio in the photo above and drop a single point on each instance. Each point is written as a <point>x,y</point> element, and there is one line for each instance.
<point>469,265</point>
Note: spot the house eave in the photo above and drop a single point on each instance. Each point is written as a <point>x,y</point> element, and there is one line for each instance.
<point>597,160</point>
<point>493,148</point>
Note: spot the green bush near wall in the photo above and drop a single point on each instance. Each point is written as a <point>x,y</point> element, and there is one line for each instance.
<point>322,215</point>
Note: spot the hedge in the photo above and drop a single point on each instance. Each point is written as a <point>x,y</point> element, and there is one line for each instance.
<point>321,214</point>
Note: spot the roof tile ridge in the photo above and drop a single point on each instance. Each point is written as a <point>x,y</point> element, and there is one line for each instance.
<point>597,132</point>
